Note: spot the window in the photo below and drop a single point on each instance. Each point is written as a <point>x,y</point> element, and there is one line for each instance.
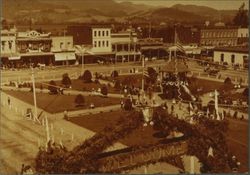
<point>103,33</point>
<point>95,33</point>
<point>99,33</point>
<point>245,59</point>
<point>222,57</point>
<point>232,59</point>
<point>107,33</point>
<point>241,35</point>
<point>246,34</point>
<point>95,43</point>
<point>99,43</point>
<point>10,45</point>
<point>3,45</point>
<point>61,45</point>
<point>107,43</point>
<point>103,43</point>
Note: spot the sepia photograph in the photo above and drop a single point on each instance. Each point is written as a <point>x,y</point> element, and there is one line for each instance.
<point>124,87</point>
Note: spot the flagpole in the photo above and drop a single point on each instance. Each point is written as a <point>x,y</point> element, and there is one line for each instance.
<point>143,64</point>
<point>175,42</point>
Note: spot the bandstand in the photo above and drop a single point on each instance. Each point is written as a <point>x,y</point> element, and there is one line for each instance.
<point>174,79</point>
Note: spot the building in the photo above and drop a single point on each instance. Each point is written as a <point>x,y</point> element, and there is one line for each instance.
<point>34,47</point>
<point>63,50</point>
<point>124,45</point>
<point>101,39</point>
<point>219,36</point>
<point>8,45</point>
<point>232,56</point>
<point>153,48</point>
<point>94,39</point>
<point>243,36</point>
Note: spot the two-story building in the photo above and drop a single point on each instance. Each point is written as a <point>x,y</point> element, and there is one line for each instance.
<point>63,49</point>
<point>124,45</point>
<point>243,36</point>
<point>8,46</point>
<point>219,36</point>
<point>232,56</point>
<point>34,47</point>
<point>94,39</point>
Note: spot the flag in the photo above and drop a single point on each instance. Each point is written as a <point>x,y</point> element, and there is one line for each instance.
<point>178,43</point>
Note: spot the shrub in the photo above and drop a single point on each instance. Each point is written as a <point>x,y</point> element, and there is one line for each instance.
<point>52,87</point>
<point>114,74</point>
<point>152,75</point>
<point>66,81</point>
<point>104,90</point>
<point>228,81</point>
<point>41,87</point>
<point>245,92</point>
<point>87,76</point>
<point>79,100</point>
<point>117,85</point>
<point>128,105</point>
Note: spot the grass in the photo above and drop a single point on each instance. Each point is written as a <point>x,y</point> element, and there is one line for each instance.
<point>60,103</point>
<point>97,122</point>
<point>145,135</point>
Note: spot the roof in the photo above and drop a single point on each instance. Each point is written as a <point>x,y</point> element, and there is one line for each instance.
<point>171,66</point>
<point>233,49</point>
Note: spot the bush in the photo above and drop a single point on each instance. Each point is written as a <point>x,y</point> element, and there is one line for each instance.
<point>66,81</point>
<point>245,92</point>
<point>228,81</point>
<point>104,90</point>
<point>128,105</point>
<point>87,76</point>
<point>52,87</point>
<point>114,74</point>
<point>79,100</point>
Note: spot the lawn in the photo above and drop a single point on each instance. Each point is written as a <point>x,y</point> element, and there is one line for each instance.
<point>97,122</point>
<point>145,135</point>
<point>60,103</point>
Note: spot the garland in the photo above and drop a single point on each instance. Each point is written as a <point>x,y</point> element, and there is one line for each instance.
<point>83,159</point>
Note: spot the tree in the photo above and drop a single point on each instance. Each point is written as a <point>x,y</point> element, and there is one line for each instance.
<point>227,81</point>
<point>66,81</point>
<point>104,90</point>
<point>79,100</point>
<point>52,87</point>
<point>152,75</point>
<point>87,76</point>
<point>114,74</point>
<point>128,105</point>
<point>241,18</point>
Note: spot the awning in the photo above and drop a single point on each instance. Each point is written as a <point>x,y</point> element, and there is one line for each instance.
<point>65,56</point>
<point>14,58</point>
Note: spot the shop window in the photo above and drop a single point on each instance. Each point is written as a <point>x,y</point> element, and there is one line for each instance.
<point>222,57</point>
<point>232,59</point>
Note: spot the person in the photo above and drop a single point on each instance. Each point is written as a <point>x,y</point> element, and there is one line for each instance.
<point>92,106</point>
<point>172,108</point>
<point>9,101</point>
<point>122,104</point>
<point>66,115</point>
<point>22,169</point>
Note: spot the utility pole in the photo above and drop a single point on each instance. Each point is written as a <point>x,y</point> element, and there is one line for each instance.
<point>82,51</point>
<point>34,94</point>
<point>143,65</point>
<point>216,104</point>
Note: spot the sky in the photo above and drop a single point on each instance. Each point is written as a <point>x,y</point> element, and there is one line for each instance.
<point>216,4</point>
